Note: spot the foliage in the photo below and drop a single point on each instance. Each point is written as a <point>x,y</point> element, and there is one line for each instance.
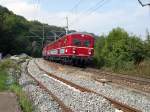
<point>7,82</point>
<point>17,35</point>
<point>7,63</point>
<point>25,104</point>
<point>99,59</point>
<point>3,80</point>
<point>142,70</point>
<point>147,44</point>
<point>119,50</point>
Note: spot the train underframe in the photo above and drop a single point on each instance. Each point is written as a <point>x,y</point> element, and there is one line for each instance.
<point>71,60</point>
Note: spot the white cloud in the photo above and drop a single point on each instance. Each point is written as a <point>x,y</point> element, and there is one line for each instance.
<point>135,21</point>
<point>22,7</point>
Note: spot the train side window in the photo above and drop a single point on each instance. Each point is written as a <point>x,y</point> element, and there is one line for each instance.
<point>76,42</point>
<point>86,43</point>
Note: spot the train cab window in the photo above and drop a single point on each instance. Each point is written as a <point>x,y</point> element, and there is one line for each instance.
<point>76,42</point>
<point>86,43</point>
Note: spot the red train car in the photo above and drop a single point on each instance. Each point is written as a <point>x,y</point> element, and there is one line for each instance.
<point>75,48</point>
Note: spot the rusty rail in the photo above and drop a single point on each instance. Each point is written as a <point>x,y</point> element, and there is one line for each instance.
<point>122,76</point>
<point>116,104</point>
<point>62,105</point>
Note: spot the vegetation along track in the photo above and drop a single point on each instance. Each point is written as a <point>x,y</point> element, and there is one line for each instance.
<point>116,104</point>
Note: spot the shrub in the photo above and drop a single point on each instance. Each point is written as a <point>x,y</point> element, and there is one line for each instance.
<point>118,49</point>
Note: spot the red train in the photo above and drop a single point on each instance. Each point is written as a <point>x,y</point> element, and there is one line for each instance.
<point>74,48</point>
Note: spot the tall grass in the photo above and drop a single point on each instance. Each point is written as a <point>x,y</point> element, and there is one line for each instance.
<point>24,101</point>
<point>3,80</point>
<point>142,70</point>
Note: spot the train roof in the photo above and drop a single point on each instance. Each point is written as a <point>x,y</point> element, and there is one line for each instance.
<point>80,33</point>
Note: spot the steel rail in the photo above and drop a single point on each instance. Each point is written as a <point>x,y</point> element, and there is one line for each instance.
<point>61,104</point>
<point>116,104</point>
<point>125,77</point>
<point>82,89</point>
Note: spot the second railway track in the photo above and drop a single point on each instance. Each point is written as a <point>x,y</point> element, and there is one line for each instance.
<point>117,104</point>
<point>135,83</point>
<point>80,95</point>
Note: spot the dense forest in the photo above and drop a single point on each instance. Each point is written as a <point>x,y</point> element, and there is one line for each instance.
<point>18,35</point>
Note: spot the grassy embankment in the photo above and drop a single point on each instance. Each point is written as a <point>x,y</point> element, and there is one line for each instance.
<point>6,85</point>
<point>142,70</point>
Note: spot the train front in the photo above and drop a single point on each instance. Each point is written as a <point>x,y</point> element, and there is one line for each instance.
<point>82,48</point>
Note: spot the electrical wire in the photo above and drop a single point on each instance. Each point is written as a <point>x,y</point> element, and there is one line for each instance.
<point>89,11</point>
<point>98,6</point>
<point>76,5</point>
<point>142,4</point>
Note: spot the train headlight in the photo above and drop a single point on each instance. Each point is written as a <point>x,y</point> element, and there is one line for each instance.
<point>66,50</point>
<point>90,53</point>
<point>82,35</point>
<point>74,50</point>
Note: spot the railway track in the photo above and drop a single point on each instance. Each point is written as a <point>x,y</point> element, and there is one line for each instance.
<point>121,77</point>
<point>119,105</point>
<point>140,84</point>
<point>135,83</point>
<point>62,105</point>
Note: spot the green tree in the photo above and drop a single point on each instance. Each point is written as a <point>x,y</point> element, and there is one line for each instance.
<point>119,50</point>
<point>17,34</point>
<point>98,57</point>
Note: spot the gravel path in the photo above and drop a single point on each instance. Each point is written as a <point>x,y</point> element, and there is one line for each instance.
<point>76,100</point>
<point>131,98</point>
<point>41,99</point>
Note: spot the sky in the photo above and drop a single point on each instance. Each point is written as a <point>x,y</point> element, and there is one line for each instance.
<point>95,16</point>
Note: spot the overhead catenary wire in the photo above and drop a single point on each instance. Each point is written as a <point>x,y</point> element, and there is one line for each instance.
<point>64,18</point>
<point>76,5</point>
<point>95,6</point>
<point>142,4</point>
<point>72,9</point>
<point>89,11</point>
<point>44,27</point>
<point>98,6</point>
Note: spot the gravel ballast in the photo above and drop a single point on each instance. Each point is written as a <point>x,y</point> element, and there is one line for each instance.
<point>74,99</point>
<point>132,98</point>
<point>42,101</point>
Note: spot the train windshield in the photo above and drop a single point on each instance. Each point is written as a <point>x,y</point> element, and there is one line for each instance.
<point>86,43</point>
<point>77,42</point>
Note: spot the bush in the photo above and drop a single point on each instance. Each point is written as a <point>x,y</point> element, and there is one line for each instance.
<point>119,50</point>
<point>7,63</point>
